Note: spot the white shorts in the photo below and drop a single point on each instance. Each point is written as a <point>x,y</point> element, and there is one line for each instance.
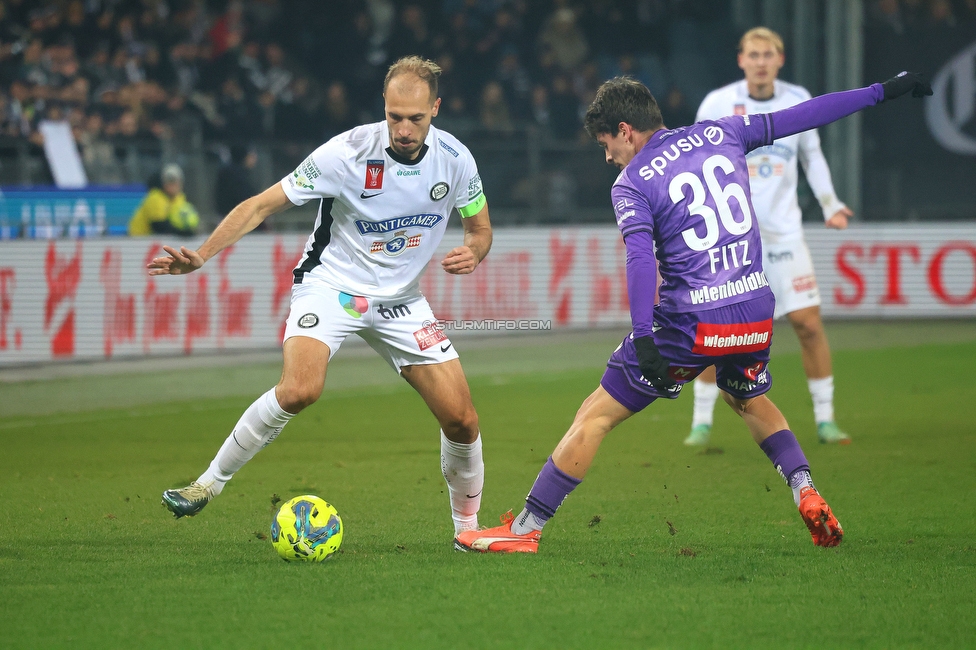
<point>403,331</point>
<point>789,269</point>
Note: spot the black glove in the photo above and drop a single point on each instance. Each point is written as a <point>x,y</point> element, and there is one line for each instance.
<point>904,82</point>
<point>652,364</point>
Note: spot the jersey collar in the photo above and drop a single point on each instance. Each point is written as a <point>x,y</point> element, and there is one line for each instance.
<point>385,140</point>
<point>406,161</point>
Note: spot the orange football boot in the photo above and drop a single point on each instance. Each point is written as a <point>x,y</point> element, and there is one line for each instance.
<point>499,539</point>
<point>824,527</point>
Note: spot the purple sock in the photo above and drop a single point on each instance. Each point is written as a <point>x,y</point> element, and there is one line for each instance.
<point>784,452</point>
<point>550,488</point>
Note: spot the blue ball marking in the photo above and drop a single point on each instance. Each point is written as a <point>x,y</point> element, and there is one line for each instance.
<point>305,530</point>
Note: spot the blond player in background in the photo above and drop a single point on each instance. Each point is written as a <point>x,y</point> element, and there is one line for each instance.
<point>773,182</point>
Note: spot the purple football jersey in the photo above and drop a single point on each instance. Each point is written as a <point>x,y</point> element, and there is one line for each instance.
<point>689,187</point>
<point>684,199</point>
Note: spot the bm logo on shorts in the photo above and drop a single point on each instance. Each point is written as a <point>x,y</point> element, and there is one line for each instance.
<point>390,313</point>
<point>307,321</point>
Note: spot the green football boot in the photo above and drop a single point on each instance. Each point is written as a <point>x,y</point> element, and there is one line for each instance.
<point>699,435</point>
<point>187,501</point>
<point>828,433</point>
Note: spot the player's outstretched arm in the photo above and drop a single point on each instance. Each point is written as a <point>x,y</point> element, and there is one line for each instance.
<point>831,107</point>
<point>477,242</point>
<point>240,221</point>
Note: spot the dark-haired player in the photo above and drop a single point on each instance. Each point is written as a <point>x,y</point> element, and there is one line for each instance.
<point>683,199</point>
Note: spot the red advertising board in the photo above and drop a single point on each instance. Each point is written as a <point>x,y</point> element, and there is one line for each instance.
<point>93,299</point>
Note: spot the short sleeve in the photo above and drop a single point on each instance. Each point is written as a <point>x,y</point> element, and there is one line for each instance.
<point>319,176</point>
<point>470,197</point>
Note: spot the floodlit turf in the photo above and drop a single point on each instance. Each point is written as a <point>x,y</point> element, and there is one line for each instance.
<point>661,546</point>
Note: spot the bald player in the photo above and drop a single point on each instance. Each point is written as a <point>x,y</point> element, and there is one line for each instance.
<point>385,193</point>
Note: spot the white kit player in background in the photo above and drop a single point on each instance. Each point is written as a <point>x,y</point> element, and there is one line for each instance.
<point>385,192</point>
<point>787,263</point>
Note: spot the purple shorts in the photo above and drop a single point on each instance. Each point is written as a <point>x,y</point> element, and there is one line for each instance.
<point>735,339</point>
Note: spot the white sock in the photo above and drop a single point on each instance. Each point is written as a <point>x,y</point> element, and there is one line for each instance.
<point>822,392</point>
<point>705,395</point>
<point>463,467</point>
<point>526,522</point>
<point>258,427</point>
<point>799,480</point>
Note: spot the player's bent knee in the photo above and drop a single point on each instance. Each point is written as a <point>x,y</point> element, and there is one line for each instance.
<point>805,331</point>
<point>808,326</point>
<point>294,398</point>
<point>461,426</point>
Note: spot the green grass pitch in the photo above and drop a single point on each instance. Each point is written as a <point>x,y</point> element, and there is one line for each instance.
<point>661,546</point>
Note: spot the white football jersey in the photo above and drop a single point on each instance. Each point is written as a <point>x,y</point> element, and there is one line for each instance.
<point>772,169</point>
<point>380,216</point>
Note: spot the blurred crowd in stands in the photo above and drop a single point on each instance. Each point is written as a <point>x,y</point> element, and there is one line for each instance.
<point>308,69</point>
<point>305,69</point>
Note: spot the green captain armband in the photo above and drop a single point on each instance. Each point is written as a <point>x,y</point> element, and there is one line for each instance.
<point>474,207</point>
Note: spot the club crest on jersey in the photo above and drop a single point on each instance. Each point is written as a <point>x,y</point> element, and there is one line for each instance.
<point>374,175</point>
<point>739,109</point>
<point>439,191</point>
<point>395,246</point>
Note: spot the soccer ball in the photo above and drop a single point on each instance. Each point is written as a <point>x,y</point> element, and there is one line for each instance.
<point>306,529</point>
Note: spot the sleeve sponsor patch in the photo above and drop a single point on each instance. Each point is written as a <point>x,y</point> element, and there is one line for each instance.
<point>310,169</point>
<point>304,174</point>
<point>624,210</point>
<point>474,187</point>
<point>448,148</point>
